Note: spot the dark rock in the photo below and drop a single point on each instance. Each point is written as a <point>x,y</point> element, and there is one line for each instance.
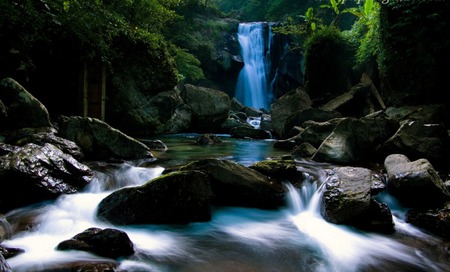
<point>283,170</point>
<point>111,243</point>
<point>22,108</point>
<point>233,122</point>
<point>174,198</point>
<point>414,183</point>
<point>3,114</point>
<point>266,122</point>
<point>80,266</point>
<point>419,140</point>
<point>252,112</point>
<point>347,194</point>
<point>41,136</point>
<point>301,116</point>
<point>180,120</point>
<point>436,221</point>
<point>8,252</point>
<point>249,132</point>
<point>209,107</point>
<point>99,141</point>
<point>377,219</point>
<point>288,144</point>
<point>4,266</point>
<point>208,139</point>
<point>236,185</point>
<point>6,149</point>
<point>5,229</point>
<point>235,105</point>
<point>154,144</point>
<point>304,150</point>
<point>315,133</point>
<point>286,105</point>
<point>33,173</point>
<point>350,103</point>
<point>432,114</point>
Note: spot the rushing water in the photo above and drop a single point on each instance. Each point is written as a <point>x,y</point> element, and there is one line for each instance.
<point>253,86</point>
<point>294,238</point>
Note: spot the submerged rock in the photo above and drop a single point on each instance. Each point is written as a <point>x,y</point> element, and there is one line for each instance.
<point>175,198</point>
<point>111,243</point>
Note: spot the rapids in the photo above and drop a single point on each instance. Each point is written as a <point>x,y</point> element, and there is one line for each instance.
<point>294,238</point>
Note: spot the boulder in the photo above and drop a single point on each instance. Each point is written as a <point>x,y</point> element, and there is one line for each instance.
<point>180,120</point>
<point>315,133</point>
<point>209,107</point>
<point>233,122</point>
<point>236,185</point>
<point>354,140</point>
<point>286,105</point>
<point>208,139</point>
<point>417,140</point>
<point>377,219</point>
<point>415,183</point>
<point>174,198</point>
<point>33,173</point>
<point>301,116</point>
<point>347,194</point>
<point>249,132</point>
<point>435,220</point>
<point>279,169</point>
<point>9,252</point>
<point>351,103</point>
<point>99,141</point>
<point>110,243</point>
<point>22,108</point>
<point>41,136</point>
<point>432,114</point>
<point>154,144</point>
<point>304,150</point>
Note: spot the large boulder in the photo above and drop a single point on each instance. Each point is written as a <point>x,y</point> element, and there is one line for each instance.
<point>137,113</point>
<point>175,198</point>
<point>33,173</point>
<point>286,105</point>
<point>354,140</point>
<point>315,133</point>
<point>314,114</point>
<point>415,183</point>
<point>433,113</point>
<point>210,108</point>
<point>347,200</point>
<point>347,194</point>
<point>110,243</point>
<point>99,141</point>
<point>279,169</point>
<point>417,139</point>
<point>41,136</point>
<point>21,108</point>
<point>236,185</point>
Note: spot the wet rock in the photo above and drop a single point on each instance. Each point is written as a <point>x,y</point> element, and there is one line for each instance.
<point>4,266</point>
<point>180,120</point>
<point>285,106</point>
<point>315,133</point>
<point>347,194</point>
<point>436,220</point>
<point>432,114</point>
<point>6,149</point>
<point>111,243</point>
<point>80,266</point>
<point>5,229</point>
<point>236,105</point>
<point>8,252</point>
<point>154,144</point>
<point>377,219</point>
<point>287,144</point>
<point>304,150</point>
<point>355,140</point>
<point>414,183</point>
<point>208,139</point>
<point>174,198</point>
<point>41,136</point>
<point>22,108</point>
<point>233,122</point>
<point>249,132</point>
<point>236,185</point>
<point>252,112</point>
<point>209,107</point>
<point>33,173</point>
<point>99,141</point>
<point>266,122</point>
<point>420,140</point>
<point>3,114</point>
<point>351,103</point>
<point>301,116</point>
<point>279,169</point>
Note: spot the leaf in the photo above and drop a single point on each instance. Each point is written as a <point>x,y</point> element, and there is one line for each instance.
<point>353,11</point>
<point>309,15</point>
<point>368,5</point>
<point>66,5</point>
<point>313,26</point>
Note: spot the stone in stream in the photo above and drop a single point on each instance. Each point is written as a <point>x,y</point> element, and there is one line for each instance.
<point>435,220</point>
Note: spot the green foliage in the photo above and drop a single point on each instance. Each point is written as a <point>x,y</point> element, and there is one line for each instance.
<point>187,64</point>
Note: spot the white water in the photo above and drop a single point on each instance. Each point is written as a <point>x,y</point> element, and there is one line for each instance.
<point>253,88</point>
<point>295,238</point>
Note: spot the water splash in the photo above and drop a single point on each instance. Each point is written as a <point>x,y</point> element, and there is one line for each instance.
<point>253,88</point>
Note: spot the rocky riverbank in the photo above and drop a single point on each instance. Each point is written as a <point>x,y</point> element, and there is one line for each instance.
<point>368,149</point>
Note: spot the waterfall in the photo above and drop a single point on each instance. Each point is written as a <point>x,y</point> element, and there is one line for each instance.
<point>253,88</point>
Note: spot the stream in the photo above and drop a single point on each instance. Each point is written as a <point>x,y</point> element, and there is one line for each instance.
<point>293,238</point>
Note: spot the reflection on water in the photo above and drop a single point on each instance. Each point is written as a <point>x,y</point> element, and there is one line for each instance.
<point>294,238</point>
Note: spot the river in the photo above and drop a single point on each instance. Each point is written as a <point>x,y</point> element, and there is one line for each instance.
<point>293,238</point>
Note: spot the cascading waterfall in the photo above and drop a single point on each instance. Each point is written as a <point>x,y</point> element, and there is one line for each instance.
<point>253,85</point>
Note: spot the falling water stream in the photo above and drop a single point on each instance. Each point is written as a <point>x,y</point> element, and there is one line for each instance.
<point>253,86</point>
<point>293,238</point>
